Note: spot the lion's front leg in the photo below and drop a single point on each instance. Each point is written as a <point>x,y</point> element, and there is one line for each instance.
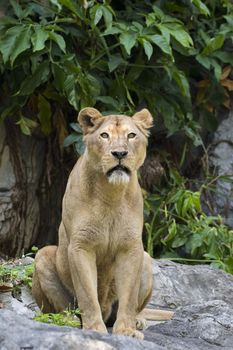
<point>84,276</point>
<point>127,278</point>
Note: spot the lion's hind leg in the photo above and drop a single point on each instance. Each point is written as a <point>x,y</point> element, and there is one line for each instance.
<point>145,291</point>
<point>47,289</point>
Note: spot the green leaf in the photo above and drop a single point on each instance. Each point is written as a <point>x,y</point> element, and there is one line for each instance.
<point>112,31</point>
<point>98,15</point>
<point>26,125</point>
<point>56,3</point>
<point>76,127</point>
<point>229,19</point>
<point>114,62</point>
<point>80,146</point>
<point>201,7</point>
<point>58,40</point>
<point>214,44</point>
<point>196,197</point>
<point>225,57</point>
<point>70,91</point>
<point>108,100</point>
<point>107,16</point>
<point>172,230</point>
<point>208,63</point>
<point>182,37</point>
<point>162,43</point>
<point>59,77</point>
<point>32,82</point>
<point>137,27</point>
<point>158,12</point>
<point>128,40</point>
<point>148,48</point>
<point>70,139</point>
<point>192,134</point>
<point>17,8</point>
<point>74,7</point>
<point>39,38</point>
<point>181,81</point>
<point>22,44</point>
<point>8,41</point>
<point>196,241</point>
<point>178,32</point>
<point>8,21</point>
<point>204,61</point>
<point>44,114</point>
<point>179,241</point>
<point>15,41</point>
<point>217,69</point>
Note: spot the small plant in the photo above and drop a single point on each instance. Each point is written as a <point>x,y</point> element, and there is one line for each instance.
<point>68,318</point>
<point>16,274</point>
<point>178,229</point>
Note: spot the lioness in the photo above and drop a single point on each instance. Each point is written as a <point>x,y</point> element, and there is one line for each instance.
<point>100,257</point>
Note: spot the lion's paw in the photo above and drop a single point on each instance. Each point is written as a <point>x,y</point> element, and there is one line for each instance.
<point>141,324</point>
<point>96,327</point>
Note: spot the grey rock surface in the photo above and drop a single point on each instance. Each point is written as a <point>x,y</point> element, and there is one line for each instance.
<point>196,326</point>
<point>178,285</point>
<point>19,332</point>
<point>221,159</point>
<point>201,296</point>
<point>23,305</point>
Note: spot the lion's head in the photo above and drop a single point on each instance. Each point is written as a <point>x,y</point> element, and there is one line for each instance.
<point>116,144</point>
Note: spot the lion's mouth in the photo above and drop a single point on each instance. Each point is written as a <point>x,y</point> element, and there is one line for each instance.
<point>117,168</point>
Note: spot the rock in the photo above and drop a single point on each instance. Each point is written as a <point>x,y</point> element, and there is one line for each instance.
<point>201,296</point>
<point>30,334</point>
<point>178,285</point>
<point>203,301</point>
<point>23,304</point>
<point>196,326</point>
<point>221,159</point>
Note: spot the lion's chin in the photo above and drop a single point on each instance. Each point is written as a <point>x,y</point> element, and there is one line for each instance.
<point>118,177</point>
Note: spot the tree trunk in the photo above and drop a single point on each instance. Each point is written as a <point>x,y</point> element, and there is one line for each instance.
<point>32,183</point>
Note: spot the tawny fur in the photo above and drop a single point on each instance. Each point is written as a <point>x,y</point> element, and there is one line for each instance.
<point>100,258</point>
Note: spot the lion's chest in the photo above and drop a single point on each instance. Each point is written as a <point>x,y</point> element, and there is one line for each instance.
<point>114,230</point>
<point>109,231</point>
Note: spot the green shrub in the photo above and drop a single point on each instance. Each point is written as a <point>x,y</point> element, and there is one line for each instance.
<point>57,57</point>
<point>178,229</point>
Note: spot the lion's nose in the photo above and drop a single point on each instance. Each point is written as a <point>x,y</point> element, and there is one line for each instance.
<point>119,155</point>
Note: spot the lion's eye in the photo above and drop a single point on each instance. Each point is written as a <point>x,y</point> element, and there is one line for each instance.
<point>131,135</point>
<point>104,135</point>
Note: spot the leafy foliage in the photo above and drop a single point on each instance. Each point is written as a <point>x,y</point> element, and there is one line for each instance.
<point>75,139</point>
<point>57,57</point>
<point>68,318</point>
<point>16,274</point>
<point>177,228</point>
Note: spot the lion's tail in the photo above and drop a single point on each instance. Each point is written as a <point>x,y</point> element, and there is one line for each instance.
<point>156,315</point>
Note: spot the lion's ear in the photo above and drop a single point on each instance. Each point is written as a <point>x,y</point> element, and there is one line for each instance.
<point>89,118</point>
<point>143,119</point>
